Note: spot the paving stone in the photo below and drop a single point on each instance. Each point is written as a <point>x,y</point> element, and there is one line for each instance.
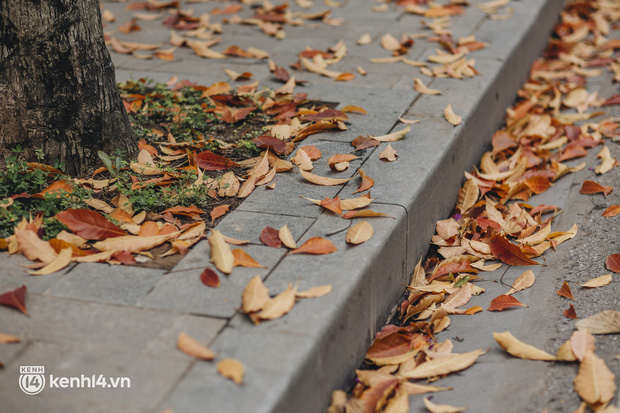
<point>70,321</point>
<point>14,275</point>
<point>15,401</point>
<point>203,329</point>
<point>150,378</point>
<point>107,283</point>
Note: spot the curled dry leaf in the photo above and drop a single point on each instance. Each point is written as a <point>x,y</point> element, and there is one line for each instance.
<point>366,183</point>
<point>359,233</point>
<point>452,117</point>
<point>570,312</point>
<point>61,261</point>
<point>254,296</point>
<point>594,381</point>
<point>394,136</point>
<point>364,39</point>
<point>15,298</point>
<point>221,255</point>
<point>192,347</point>
<point>322,180</point>
<point>132,243</point>
<point>565,291</point>
<point>441,408</point>
<point>388,154</point>
<point>502,302</point>
<point>279,305</point>
<point>316,246</point>
<point>598,281</point>
<point>218,211</point>
<point>613,263</point>
<point>270,237</point>
<point>287,238</point>
<point>443,365</point>
<point>7,338</point>
<point>519,349</point>
<point>231,369</point>
<point>591,187</point>
<point>606,322</point>
<point>33,247</point>
<point>507,252</point>
<point>243,259</point>
<point>314,292</point>
<point>210,278</point>
<point>581,341</point>
<point>612,211</point>
<point>333,204</point>
<point>418,86</point>
<point>523,281</point>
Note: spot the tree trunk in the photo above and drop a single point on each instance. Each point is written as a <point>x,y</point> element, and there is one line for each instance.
<point>58,90</point>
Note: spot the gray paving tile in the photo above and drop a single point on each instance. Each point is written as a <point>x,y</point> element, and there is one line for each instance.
<point>106,283</point>
<point>14,401</point>
<point>14,275</point>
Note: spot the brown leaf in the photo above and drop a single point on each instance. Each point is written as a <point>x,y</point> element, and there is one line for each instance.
<point>612,211</point>
<point>7,338</point>
<point>210,278</point>
<point>444,365</point>
<point>570,312</point>
<point>502,302</point>
<point>591,187</point>
<point>314,292</point>
<point>565,291</point>
<point>89,224</point>
<point>441,408</point>
<point>315,246</point>
<point>538,184</point>
<point>507,252</point>
<point>333,204</point>
<point>209,161</point>
<point>231,369</point>
<point>418,86</point>
<point>61,261</point>
<point>279,305</point>
<point>15,298</point>
<point>598,281</point>
<point>321,180</point>
<point>312,151</point>
<point>359,233</point>
<point>221,255</point>
<point>243,259</point>
<point>339,158</point>
<point>366,183</point>
<point>255,295</point>
<point>605,322</point>
<point>581,342</point>
<point>351,108</point>
<point>131,243</point>
<point>394,136</point>
<point>388,154</point>
<point>271,237</point>
<point>519,349</point>
<point>452,117</point>
<point>613,263</point>
<point>366,213</point>
<point>364,142</point>
<point>33,247</point>
<point>525,280</point>
<point>594,381</point>
<point>287,238</point>
<point>218,211</point>
<point>269,142</point>
<point>393,348</point>
<point>192,347</point>
<point>345,77</point>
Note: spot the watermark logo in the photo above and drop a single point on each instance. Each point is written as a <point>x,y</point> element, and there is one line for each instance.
<point>31,379</point>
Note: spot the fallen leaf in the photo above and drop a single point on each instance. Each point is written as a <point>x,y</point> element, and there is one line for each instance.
<point>366,213</point>
<point>287,238</point>
<point>279,305</point>
<point>89,224</point>
<point>565,291</point>
<point>209,161</point>
<point>210,278</point>
<point>352,108</point>
<point>33,247</point>
<point>366,183</point>
<point>581,342</point>
<point>591,187</point>
<point>221,255</point>
<point>441,408</point>
<point>218,211</point>
<point>443,365</point>
<point>507,252</point>
<point>243,259</point>
<point>598,281</point>
<point>594,382</point>
<point>231,369</point>
<point>612,211</point>
<point>132,243</point>
<point>359,233</point>
<point>312,151</point>
<point>394,136</point>
<point>519,349</point>
<point>418,86</point>
<point>613,263</point>
<point>605,322</point>
<point>192,347</point>
<point>255,295</point>
<point>452,117</point>
<point>316,246</point>
<point>502,302</point>
<point>322,180</point>
<point>314,292</point>
<point>388,154</point>
<point>364,39</point>
<point>15,298</point>
<point>61,261</point>
<point>333,204</point>
<point>7,338</point>
<point>522,282</point>
<point>270,237</point>
<point>570,312</point>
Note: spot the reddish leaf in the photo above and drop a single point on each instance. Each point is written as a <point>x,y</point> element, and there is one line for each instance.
<point>181,210</point>
<point>538,184</point>
<point>541,209</point>
<point>614,100</point>
<point>210,278</point>
<point>591,187</point>
<point>502,302</point>
<point>269,142</point>
<point>218,211</point>
<point>565,291</point>
<point>125,257</point>
<point>312,151</point>
<point>612,211</point>
<point>570,312</point>
<point>316,246</point>
<point>613,263</point>
<point>89,224</point>
<point>271,237</point>
<point>15,299</point>
<point>243,259</point>
<point>389,345</point>
<point>502,140</point>
<point>507,252</point>
<point>212,162</point>
<point>332,204</point>
<point>572,152</point>
<point>454,267</point>
<point>364,142</point>
<point>366,183</point>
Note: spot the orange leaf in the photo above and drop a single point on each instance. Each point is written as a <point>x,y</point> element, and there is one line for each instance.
<point>538,184</point>
<point>613,263</point>
<point>211,162</point>
<point>332,204</point>
<point>243,259</point>
<point>351,108</point>
<point>210,278</point>
<point>570,312</point>
<point>316,246</point>
<point>181,210</point>
<point>89,224</point>
<point>366,213</point>
<point>218,211</point>
<point>391,345</point>
<point>366,183</point>
<point>193,347</point>
<point>312,151</point>
<point>591,187</point>
<point>502,302</point>
<point>565,291</point>
<point>15,298</point>
<point>507,252</point>
<point>231,369</point>
<point>149,229</point>
<point>271,237</point>
<point>612,211</point>
<point>33,247</point>
<point>345,77</point>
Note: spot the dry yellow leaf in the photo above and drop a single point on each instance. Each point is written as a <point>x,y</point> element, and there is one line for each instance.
<point>594,381</point>
<point>33,247</point>
<point>581,342</point>
<point>452,117</point>
<point>394,136</point>
<point>279,305</point>
<point>354,203</point>
<point>302,160</point>
<point>359,233</point>
<point>389,42</point>
<point>364,39</point>
<point>523,281</point>
<point>444,365</point>
<point>231,369</point>
<point>606,322</point>
<point>420,87</point>
<point>468,195</point>
<point>418,278</point>
<point>322,180</point>
<point>248,187</point>
<point>61,261</point>
<point>565,352</point>
<point>287,238</point>
<point>254,296</point>
<point>519,349</point>
<point>389,154</point>
<point>314,292</point>
<point>7,338</point>
<point>202,50</point>
<point>442,408</point>
<point>192,347</point>
<point>221,255</point>
<point>598,281</point>
<point>132,243</point>
<point>607,162</point>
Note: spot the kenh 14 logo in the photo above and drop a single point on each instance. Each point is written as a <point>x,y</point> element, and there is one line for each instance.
<point>31,379</point>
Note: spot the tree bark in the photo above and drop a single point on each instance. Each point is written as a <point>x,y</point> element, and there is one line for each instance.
<point>58,89</point>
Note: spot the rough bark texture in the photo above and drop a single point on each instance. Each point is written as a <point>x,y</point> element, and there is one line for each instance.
<point>57,84</point>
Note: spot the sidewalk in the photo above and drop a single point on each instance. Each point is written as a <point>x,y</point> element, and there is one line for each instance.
<point>123,321</point>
